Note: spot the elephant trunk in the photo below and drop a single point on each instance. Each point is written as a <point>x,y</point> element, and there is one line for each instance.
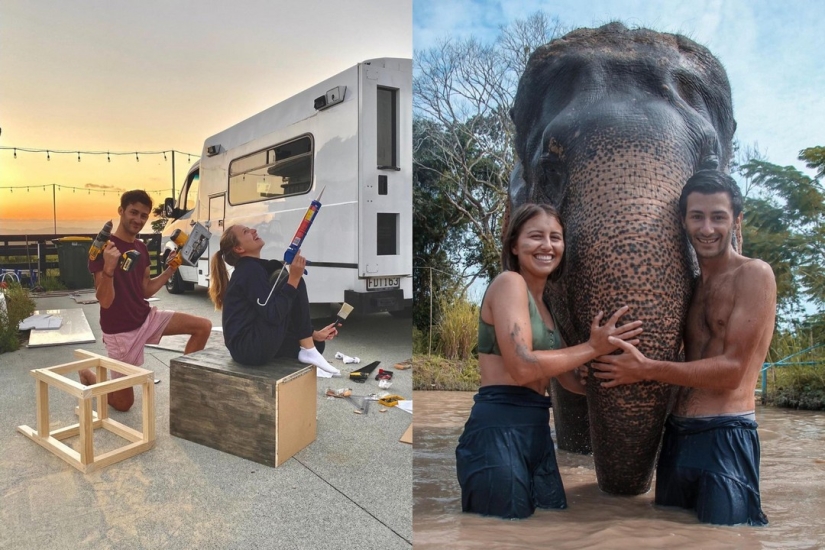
<point>631,252</point>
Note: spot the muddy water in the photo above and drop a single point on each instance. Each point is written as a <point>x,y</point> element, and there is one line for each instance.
<point>792,487</point>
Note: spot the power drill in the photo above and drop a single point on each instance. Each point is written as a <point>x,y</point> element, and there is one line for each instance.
<point>127,260</point>
<point>101,239</point>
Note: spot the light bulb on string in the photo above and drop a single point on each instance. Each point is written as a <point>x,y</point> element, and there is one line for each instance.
<point>164,155</point>
<point>15,152</point>
<point>47,156</point>
<point>136,157</point>
<point>78,156</point>
<point>108,157</point>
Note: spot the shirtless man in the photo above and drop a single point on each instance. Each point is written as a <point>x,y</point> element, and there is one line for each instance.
<point>710,452</point>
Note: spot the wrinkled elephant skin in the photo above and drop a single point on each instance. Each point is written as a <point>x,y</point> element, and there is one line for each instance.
<point>610,123</point>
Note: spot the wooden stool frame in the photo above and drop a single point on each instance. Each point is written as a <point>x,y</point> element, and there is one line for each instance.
<point>89,420</point>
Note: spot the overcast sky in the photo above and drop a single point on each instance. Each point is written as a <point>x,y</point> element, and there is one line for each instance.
<point>155,75</point>
<point>773,51</point>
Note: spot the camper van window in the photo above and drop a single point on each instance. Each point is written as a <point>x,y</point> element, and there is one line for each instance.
<point>387,234</point>
<point>191,192</point>
<point>276,172</point>
<point>387,128</point>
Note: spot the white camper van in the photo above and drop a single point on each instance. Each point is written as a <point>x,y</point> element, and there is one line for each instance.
<point>350,136</point>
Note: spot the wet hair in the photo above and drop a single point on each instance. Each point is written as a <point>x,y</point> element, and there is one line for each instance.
<point>220,277</point>
<point>518,218</point>
<point>133,196</point>
<point>708,182</point>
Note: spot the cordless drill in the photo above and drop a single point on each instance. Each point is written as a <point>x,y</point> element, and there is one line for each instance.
<point>127,260</point>
<point>100,241</point>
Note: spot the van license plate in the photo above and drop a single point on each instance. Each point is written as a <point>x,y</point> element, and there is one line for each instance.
<point>381,283</point>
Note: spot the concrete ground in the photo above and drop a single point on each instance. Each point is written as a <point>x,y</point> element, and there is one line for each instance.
<point>351,488</point>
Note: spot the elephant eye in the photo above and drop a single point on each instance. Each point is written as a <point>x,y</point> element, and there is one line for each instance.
<point>690,91</point>
<point>551,163</point>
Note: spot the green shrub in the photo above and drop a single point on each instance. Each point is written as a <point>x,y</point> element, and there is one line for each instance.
<point>19,305</point>
<point>50,282</point>
<point>437,373</point>
<point>420,341</point>
<point>458,329</point>
<point>796,386</point>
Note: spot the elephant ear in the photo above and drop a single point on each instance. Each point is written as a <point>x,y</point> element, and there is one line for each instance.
<point>518,192</point>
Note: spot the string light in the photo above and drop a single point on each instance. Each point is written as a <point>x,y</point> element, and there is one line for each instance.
<point>108,154</point>
<point>61,187</point>
<point>78,156</point>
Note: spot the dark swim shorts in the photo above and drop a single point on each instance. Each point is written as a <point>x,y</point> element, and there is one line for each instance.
<point>505,460</point>
<point>711,465</point>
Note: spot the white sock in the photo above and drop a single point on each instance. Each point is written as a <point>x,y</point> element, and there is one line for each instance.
<point>313,357</point>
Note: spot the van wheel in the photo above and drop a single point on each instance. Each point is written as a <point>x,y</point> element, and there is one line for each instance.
<point>175,284</point>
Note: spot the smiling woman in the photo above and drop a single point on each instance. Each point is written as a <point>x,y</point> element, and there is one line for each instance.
<point>520,349</point>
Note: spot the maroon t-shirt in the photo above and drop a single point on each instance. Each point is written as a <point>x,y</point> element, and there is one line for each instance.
<point>128,310</point>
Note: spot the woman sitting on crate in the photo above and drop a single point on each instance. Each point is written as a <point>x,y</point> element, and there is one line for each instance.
<point>254,333</point>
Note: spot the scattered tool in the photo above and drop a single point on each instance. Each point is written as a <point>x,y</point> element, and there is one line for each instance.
<point>390,400</point>
<point>361,375</point>
<point>383,375</point>
<point>363,408</point>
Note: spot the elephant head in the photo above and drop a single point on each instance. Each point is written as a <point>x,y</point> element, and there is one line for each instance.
<point>610,123</point>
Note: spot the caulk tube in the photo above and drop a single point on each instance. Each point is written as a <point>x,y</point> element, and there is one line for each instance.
<point>303,229</point>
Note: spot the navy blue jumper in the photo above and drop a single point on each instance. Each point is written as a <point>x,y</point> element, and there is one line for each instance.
<point>257,334</point>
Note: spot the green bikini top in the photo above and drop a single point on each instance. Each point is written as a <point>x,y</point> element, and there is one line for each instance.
<point>543,337</point>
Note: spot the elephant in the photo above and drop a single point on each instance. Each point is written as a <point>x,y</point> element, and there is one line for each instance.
<point>609,124</point>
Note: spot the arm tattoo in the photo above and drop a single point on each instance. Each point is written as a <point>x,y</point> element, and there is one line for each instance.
<point>523,351</point>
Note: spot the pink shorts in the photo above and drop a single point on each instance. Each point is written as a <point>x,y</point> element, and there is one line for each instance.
<point>128,346</point>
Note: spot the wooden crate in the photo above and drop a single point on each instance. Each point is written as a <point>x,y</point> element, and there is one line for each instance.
<point>89,420</point>
<point>265,414</point>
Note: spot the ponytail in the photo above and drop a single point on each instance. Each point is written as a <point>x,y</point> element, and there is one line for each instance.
<point>219,276</point>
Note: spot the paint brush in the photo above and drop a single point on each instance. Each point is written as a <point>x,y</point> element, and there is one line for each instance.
<point>346,309</point>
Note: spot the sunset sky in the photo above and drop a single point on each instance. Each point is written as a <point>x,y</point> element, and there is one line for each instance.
<point>94,75</point>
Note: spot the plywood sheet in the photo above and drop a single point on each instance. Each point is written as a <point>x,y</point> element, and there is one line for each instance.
<point>296,422</point>
<point>75,329</point>
<point>407,437</point>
